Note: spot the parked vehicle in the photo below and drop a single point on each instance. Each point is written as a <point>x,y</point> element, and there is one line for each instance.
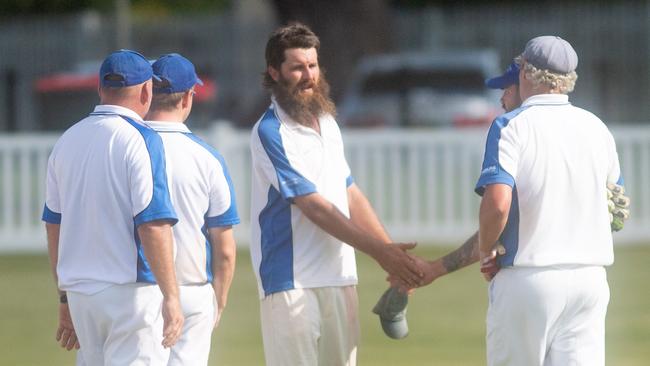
<point>444,88</point>
<point>77,91</point>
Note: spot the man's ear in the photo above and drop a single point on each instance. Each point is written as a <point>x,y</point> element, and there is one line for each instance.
<point>146,93</point>
<point>275,74</point>
<point>185,100</point>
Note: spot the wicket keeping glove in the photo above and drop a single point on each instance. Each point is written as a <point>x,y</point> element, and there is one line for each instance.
<point>618,205</point>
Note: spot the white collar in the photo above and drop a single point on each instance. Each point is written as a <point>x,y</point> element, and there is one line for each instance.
<point>546,99</point>
<point>167,126</point>
<point>116,109</point>
<point>286,119</point>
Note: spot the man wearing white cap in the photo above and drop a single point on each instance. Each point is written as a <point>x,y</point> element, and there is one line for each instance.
<point>203,195</point>
<point>543,182</point>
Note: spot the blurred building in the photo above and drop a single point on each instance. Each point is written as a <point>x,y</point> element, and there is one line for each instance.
<point>612,41</point>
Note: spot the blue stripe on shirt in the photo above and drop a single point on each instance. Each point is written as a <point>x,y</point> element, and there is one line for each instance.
<point>230,216</point>
<point>290,182</point>
<point>160,207</point>
<point>144,273</point>
<point>50,216</point>
<point>208,254</point>
<point>276,267</point>
<point>491,171</point>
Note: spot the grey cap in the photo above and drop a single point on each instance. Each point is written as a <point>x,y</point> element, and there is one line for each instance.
<point>391,309</point>
<point>551,53</point>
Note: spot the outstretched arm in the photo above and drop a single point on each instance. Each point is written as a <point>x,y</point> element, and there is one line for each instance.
<point>463,256</point>
<point>392,258</point>
<point>363,215</point>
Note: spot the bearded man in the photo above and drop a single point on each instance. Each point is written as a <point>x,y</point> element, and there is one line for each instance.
<point>309,215</point>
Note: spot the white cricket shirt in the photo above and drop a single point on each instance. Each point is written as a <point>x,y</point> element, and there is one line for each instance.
<point>202,194</point>
<point>105,176</point>
<point>288,160</point>
<point>558,158</point>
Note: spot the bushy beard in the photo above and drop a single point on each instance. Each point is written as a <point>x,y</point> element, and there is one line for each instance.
<point>304,109</point>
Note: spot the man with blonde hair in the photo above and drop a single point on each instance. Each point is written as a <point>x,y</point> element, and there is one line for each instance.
<point>543,182</point>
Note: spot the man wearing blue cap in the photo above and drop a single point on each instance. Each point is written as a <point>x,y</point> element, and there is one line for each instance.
<point>544,196</point>
<point>204,198</point>
<point>509,83</point>
<point>467,253</point>
<point>391,307</point>
<point>108,217</point>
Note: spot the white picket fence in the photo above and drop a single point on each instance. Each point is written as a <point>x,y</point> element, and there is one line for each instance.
<point>419,181</point>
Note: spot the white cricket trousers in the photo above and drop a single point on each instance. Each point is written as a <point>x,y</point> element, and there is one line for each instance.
<point>121,325</point>
<point>547,316</point>
<point>311,327</point>
<point>199,308</point>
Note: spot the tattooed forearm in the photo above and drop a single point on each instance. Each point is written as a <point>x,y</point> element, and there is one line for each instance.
<point>465,255</point>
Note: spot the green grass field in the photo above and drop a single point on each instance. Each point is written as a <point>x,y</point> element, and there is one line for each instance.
<point>446,319</point>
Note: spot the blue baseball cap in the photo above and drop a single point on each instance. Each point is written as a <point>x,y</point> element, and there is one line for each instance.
<point>509,77</point>
<point>176,73</point>
<point>124,68</point>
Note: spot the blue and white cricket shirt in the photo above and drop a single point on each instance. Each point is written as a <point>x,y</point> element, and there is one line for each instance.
<point>105,176</point>
<point>288,160</point>
<point>558,159</point>
<point>202,194</point>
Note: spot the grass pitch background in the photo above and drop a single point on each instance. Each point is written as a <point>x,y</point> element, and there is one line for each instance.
<point>446,319</point>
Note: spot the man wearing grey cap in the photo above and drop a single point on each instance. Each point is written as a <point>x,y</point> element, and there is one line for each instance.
<point>543,183</point>
<point>391,306</point>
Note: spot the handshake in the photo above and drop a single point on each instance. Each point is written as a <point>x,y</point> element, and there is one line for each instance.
<point>618,205</point>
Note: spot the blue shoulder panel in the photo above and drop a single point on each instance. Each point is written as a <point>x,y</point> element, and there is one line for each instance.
<point>491,171</point>
<point>290,182</point>
<point>160,207</point>
<point>230,217</point>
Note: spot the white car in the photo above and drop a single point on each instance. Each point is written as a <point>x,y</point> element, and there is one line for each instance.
<point>445,88</point>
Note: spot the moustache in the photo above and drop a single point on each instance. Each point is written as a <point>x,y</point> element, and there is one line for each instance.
<point>309,84</point>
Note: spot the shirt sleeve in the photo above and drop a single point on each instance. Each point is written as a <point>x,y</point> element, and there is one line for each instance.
<point>614,174</point>
<point>223,206</point>
<point>273,163</point>
<point>52,207</point>
<point>501,159</point>
<point>148,179</point>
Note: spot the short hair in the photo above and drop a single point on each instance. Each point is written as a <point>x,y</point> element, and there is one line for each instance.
<point>115,93</point>
<point>294,35</point>
<point>563,83</point>
<point>165,101</point>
